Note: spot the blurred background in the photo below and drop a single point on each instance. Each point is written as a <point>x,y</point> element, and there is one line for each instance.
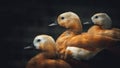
<point>22,20</point>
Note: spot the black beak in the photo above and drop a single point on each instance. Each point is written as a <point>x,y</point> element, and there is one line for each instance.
<point>53,24</point>
<point>29,47</point>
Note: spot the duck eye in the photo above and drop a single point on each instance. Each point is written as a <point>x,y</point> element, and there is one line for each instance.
<point>96,17</point>
<point>62,18</point>
<point>38,40</point>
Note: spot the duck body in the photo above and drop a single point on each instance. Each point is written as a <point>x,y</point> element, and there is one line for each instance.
<point>47,58</point>
<point>113,33</point>
<point>40,61</point>
<point>62,41</point>
<point>85,46</point>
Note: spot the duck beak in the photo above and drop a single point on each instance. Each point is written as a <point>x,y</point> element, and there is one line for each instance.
<point>30,46</point>
<point>86,23</point>
<point>53,24</point>
<point>89,22</point>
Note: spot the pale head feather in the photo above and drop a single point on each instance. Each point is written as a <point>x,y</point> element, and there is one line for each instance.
<point>102,19</point>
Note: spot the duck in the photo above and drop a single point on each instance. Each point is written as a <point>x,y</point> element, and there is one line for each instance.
<point>85,46</point>
<point>47,58</point>
<point>72,23</point>
<point>103,26</point>
<point>102,31</point>
<point>75,44</point>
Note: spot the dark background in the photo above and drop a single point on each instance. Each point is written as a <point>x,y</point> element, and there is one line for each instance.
<point>22,20</point>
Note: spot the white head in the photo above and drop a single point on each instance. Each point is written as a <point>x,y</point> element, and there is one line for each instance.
<point>69,20</point>
<point>102,19</point>
<point>43,42</point>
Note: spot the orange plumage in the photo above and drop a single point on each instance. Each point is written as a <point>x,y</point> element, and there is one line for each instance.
<point>48,57</point>
<point>79,45</point>
<point>72,22</point>
<point>103,27</point>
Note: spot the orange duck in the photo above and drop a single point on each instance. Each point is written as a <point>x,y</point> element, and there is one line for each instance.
<point>77,45</point>
<point>103,26</point>
<point>72,22</point>
<point>96,39</point>
<point>47,57</point>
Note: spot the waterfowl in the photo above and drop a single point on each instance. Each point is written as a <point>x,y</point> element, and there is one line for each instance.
<point>85,46</point>
<point>73,43</point>
<point>72,23</point>
<point>98,37</point>
<point>47,57</point>
<point>103,26</point>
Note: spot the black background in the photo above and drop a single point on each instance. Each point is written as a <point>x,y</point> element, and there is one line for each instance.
<point>22,20</point>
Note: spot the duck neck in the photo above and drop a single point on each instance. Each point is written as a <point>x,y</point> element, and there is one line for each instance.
<point>104,27</point>
<point>50,51</point>
<point>50,54</point>
<point>77,28</point>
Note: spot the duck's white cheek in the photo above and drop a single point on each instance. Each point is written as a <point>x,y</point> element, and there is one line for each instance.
<point>94,21</point>
<point>97,21</point>
<point>37,45</point>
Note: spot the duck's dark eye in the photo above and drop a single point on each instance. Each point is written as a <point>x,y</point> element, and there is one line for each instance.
<point>62,18</point>
<point>38,40</point>
<point>96,16</point>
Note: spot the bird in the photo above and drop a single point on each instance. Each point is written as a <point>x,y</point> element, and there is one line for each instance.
<point>98,37</point>
<point>85,46</point>
<point>75,44</point>
<point>72,23</point>
<point>103,26</point>
<point>47,58</point>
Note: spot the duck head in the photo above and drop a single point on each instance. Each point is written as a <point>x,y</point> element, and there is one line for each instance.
<point>69,20</point>
<point>102,19</point>
<point>44,43</point>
